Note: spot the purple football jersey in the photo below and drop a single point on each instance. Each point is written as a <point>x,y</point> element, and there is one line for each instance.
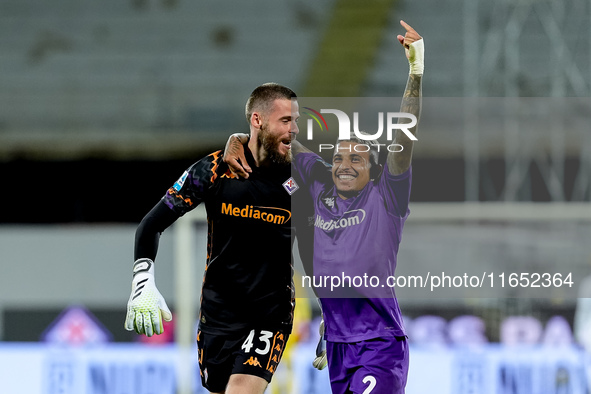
<point>357,238</point>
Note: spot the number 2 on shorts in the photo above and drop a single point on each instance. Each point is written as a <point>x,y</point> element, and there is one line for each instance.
<point>372,384</point>
<point>265,336</point>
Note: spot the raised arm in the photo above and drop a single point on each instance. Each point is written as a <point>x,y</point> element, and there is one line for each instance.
<point>399,162</point>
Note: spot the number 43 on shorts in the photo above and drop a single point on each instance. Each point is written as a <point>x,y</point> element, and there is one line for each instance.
<point>264,340</point>
<point>267,345</point>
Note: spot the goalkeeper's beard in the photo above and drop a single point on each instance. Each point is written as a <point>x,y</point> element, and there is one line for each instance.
<point>270,144</point>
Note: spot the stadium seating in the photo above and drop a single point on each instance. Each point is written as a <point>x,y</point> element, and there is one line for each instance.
<point>143,64</point>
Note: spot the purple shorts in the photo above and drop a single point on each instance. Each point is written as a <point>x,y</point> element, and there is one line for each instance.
<point>375,366</point>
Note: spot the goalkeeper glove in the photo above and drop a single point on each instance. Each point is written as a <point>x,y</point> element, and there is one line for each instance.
<point>320,361</point>
<point>146,306</point>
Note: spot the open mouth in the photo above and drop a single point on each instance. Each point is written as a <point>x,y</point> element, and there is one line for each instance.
<point>345,177</point>
<point>286,143</point>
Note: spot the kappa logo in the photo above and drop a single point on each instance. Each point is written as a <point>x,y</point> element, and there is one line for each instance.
<point>290,186</point>
<point>350,218</point>
<point>253,361</point>
<point>329,202</point>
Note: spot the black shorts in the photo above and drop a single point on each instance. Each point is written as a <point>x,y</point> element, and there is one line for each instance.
<point>250,352</point>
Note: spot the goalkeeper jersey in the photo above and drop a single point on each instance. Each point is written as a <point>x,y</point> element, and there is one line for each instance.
<point>248,276</point>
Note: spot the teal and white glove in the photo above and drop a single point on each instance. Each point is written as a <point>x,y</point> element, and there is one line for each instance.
<point>146,306</point>
<point>320,361</point>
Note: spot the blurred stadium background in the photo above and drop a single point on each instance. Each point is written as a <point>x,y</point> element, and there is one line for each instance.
<point>104,104</point>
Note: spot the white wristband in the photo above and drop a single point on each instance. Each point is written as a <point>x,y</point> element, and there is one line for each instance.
<point>416,57</point>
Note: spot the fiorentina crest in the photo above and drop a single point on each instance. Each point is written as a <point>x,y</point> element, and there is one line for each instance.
<point>290,185</point>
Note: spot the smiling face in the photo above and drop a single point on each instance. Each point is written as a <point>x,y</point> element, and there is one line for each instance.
<point>350,169</point>
<point>278,129</point>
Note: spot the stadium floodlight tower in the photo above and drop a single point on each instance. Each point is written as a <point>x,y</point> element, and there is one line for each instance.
<point>528,48</point>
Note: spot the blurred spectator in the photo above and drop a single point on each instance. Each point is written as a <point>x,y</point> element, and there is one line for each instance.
<point>558,332</point>
<point>308,380</point>
<point>285,375</point>
<point>429,330</point>
<point>467,330</point>
<point>521,330</point>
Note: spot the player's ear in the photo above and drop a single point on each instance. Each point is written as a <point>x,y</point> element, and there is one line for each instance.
<point>256,120</point>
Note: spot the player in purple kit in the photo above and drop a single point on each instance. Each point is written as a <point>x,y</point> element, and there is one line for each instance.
<point>358,230</point>
<point>359,218</point>
<point>367,351</point>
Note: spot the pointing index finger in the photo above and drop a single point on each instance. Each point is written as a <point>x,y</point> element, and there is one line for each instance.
<point>407,26</point>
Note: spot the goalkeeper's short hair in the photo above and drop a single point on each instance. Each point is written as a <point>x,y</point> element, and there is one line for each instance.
<point>262,98</point>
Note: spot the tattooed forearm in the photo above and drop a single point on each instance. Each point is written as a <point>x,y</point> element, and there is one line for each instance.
<point>411,101</point>
<point>399,162</point>
<point>235,144</point>
<point>413,86</point>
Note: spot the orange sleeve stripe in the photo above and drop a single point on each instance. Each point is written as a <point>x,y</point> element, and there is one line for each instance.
<point>216,156</point>
<point>272,348</point>
<point>174,193</point>
<point>282,347</point>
